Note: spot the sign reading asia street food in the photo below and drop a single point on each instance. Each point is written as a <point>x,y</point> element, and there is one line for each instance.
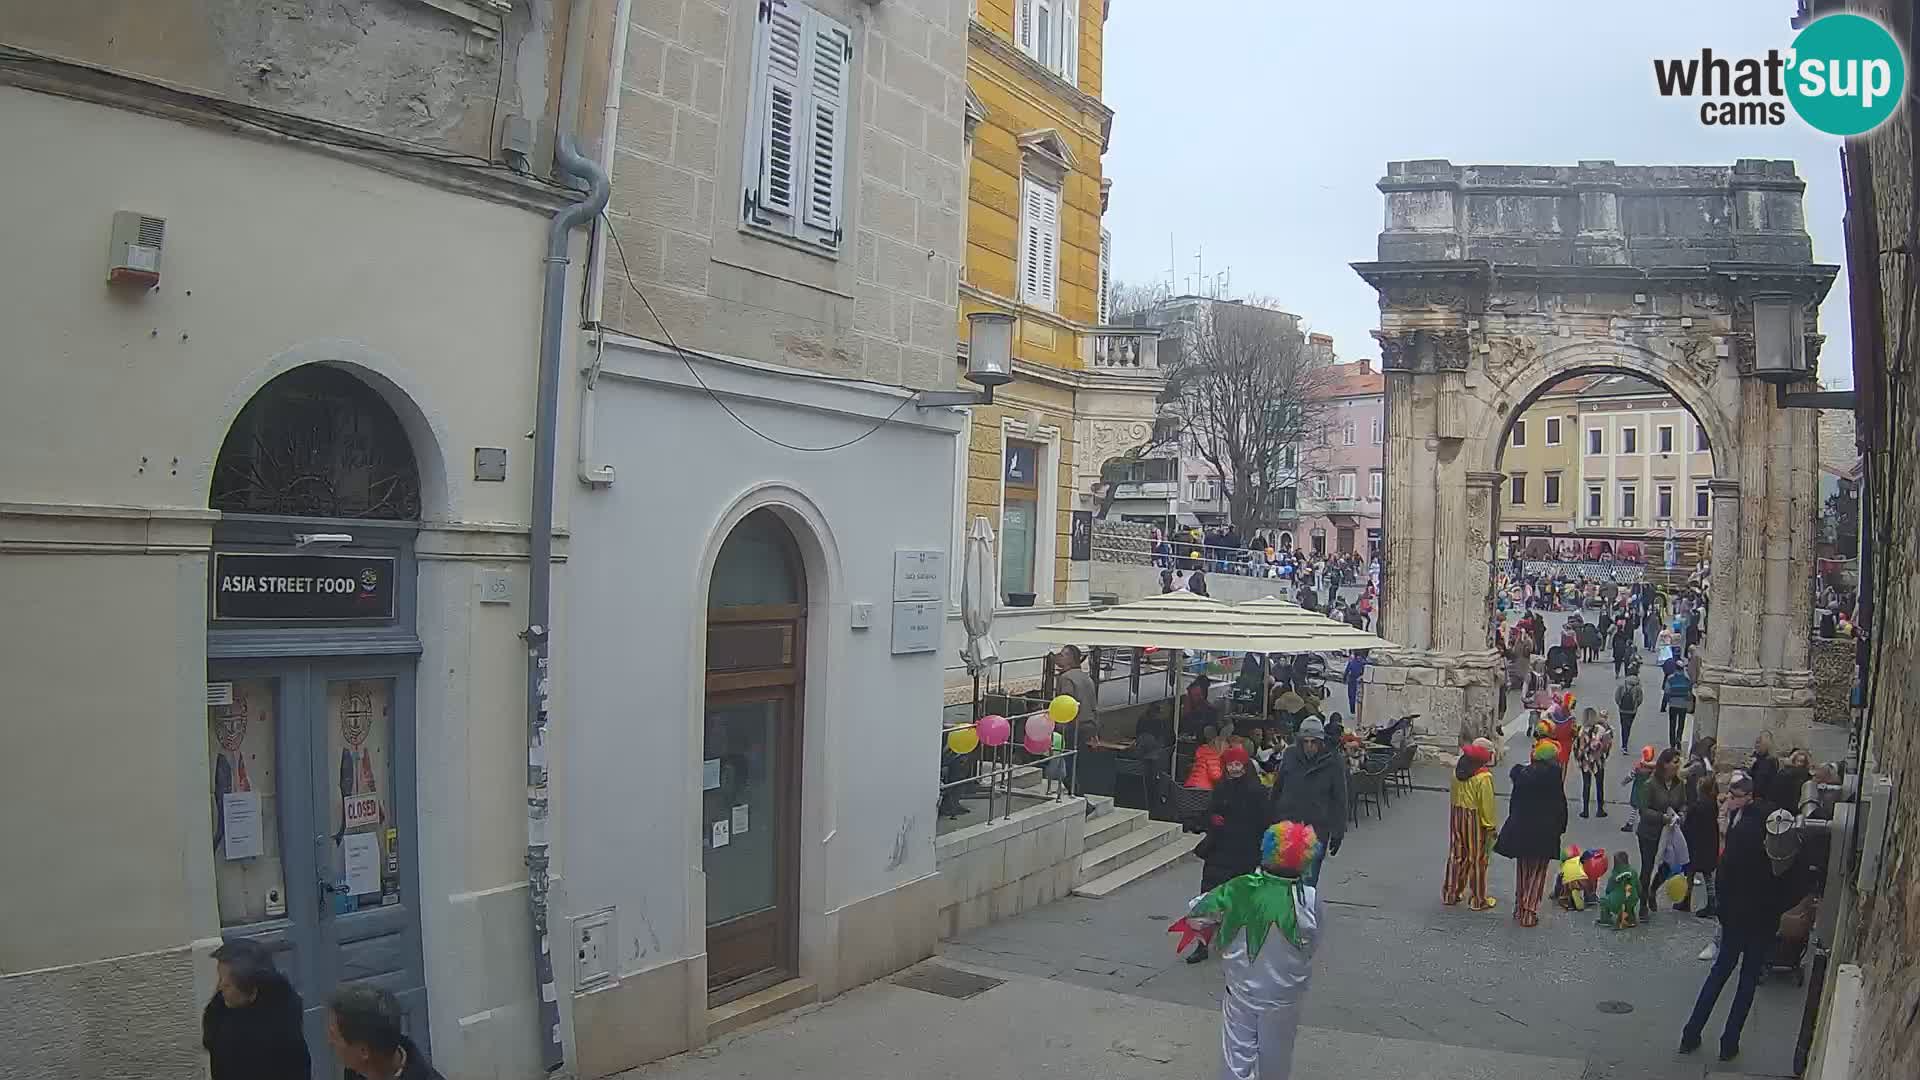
<point>302,587</point>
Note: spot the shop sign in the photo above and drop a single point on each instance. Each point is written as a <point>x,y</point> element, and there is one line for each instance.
<point>302,587</point>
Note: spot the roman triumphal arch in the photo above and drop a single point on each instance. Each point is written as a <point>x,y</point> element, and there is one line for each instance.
<point>1497,281</point>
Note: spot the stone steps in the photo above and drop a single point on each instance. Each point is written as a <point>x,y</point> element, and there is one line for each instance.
<point>1127,845</point>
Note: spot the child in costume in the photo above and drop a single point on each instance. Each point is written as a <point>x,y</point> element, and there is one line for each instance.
<point>1620,908</point>
<point>1636,782</point>
<point>1267,973</point>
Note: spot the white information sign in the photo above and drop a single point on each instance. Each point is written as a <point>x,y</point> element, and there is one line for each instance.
<point>740,819</point>
<point>919,575</point>
<point>917,625</point>
<point>240,818</point>
<point>363,863</point>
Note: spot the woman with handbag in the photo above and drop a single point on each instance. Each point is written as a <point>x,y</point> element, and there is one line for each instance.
<point>1235,820</point>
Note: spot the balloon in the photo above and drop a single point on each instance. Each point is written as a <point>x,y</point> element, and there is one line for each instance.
<point>1676,888</point>
<point>963,741</point>
<point>1039,728</point>
<point>994,730</point>
<point>1573,852</point>
<point>1063,709</point>
<point>1595,865</point>
<point>1040,745</point>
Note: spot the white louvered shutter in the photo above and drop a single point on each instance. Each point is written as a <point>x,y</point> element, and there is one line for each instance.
<point>1040,244</point>
<point>774,178</point>
<point>1070,41</point>
<point>1106,277</point>
<point>1023,25</point>
<point>829,55</point>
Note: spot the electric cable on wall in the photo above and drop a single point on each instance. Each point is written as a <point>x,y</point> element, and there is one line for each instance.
<point>626,271</point>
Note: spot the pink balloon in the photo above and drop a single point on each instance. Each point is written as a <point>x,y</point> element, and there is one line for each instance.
<point>1039,745</point>
<point>1040,728</point>
<point>994,730</point>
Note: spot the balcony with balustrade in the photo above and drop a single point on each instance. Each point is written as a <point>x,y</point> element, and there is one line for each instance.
<point>1124,350</point>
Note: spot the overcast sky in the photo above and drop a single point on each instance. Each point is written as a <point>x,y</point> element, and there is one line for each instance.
<point>1256,129</point>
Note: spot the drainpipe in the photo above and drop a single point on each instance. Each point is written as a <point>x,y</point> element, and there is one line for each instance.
<point>568,164</point>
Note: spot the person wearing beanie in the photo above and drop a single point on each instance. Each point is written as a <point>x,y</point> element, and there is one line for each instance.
<point>1310,787</point>
<point>1236,818</point>
<point>1591,748</point>
<point>1470,828</point>
<point>1268,923</point>
<point>1536,819</point>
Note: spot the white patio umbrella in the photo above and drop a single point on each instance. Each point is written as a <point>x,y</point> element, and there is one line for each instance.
<point>977,594</point>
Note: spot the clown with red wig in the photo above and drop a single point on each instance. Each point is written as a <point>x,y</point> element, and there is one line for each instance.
<point>1267,972</point>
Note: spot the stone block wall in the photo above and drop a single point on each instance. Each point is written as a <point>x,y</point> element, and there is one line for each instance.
<point>998,869</point>
<point>1122,542</point>
<point>1832,679</point>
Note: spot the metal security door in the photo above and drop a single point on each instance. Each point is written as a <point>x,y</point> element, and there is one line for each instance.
<point>364,841</point>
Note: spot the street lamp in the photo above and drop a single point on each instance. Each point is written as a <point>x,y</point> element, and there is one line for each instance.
<point>989,362</point>
<point>1780,353</point>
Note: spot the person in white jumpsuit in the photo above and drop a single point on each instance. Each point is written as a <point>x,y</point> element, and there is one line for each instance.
<point>1269,923</point>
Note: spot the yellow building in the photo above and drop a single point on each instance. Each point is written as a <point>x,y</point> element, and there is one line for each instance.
<point>1083,393</point>
<point>1541,461</point>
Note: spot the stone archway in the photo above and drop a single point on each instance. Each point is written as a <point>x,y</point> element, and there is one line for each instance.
<point>1498,281</point>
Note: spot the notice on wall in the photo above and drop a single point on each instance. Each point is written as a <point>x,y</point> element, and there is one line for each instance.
<point>919,575</point>
<point>740,819</point>
<point>722,834</point>
<point>917,625</point>
<point>1080,541</point>
<point>363,863</point>
<point>240,814</point>
<point>710,774</point>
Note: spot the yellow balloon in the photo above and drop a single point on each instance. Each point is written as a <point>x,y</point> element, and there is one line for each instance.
<point>1063,709</point>
<point>1676,888</point>
<point>963,740</point>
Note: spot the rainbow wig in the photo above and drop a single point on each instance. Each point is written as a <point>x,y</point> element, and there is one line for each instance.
<point>1289,849</point>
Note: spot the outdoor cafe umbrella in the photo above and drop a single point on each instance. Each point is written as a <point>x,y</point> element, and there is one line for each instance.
<point>976,599</point>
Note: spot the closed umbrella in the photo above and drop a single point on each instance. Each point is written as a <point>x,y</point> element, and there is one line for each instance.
<point>977,595</point>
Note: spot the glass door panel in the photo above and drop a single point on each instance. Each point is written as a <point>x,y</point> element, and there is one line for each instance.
<point>744,822</point>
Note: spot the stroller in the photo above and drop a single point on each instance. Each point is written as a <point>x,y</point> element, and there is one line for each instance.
<point>1562,665</point>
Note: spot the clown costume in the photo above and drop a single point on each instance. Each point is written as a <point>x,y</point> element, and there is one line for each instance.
<point>1470,828</point>
<point>1268,923</point>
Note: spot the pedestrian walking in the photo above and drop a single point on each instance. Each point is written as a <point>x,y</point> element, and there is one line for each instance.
<point>1764,766</point>
<point>1627,698</point>
<point>364,1028</point>
<point>1536,818</point>
<point>1676,696</point>
<point>1622,643</point>
<point>1662,797</point>
<point>1783,790</point>
<point>1649,626</point>
<point>1591,748</point>
<point>251,1026</point>
<point>1236,819</point>
<point>1470,828</point>
<point>1356,671</point>
<point>1754,891</point>
<point>1700,824</point>
<point>1310,787</point>
<point>1268,924</point>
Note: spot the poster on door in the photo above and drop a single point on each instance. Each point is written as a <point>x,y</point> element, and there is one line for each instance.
<point>242,726</point>
<point>359,721</point>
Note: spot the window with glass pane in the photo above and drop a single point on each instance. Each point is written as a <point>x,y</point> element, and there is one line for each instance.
<point>1699,437</point>
<point>1702,501</point>
<point>1519,436</point>
<point>1629,440</point>
<point>1593,502</point>
<point>1553,431</point>
<point>363,822</point>
<point>242,740</point>
<point>1517,484</point>
<point>1627,507</point>
<point>1666,438</point>
<point>1552,491</point>
<point>1376,484</point>
<point>741,859</point>
<point>1596,441</point>
<point>1020,518</point>
<point>1663,501</point>
<point>754,567</point>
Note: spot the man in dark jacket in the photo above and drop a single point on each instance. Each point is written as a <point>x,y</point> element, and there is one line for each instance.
<point>1752,897</point>
<point>251,1026</point>
<point>1310,787</point>
<point>364,1027</point>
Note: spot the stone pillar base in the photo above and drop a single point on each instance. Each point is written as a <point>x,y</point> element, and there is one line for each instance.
<point>1735,706</point>
<point>1455,694</point>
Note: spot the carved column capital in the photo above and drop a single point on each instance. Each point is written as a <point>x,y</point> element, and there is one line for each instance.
<point>1723,488</point>
<point>1489,480</point>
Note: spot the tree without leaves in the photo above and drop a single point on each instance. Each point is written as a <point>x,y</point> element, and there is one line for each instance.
<point>1126,299</point>
<point>1244,386</point>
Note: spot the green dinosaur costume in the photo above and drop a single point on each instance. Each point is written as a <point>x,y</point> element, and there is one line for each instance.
<point>1620,907</point>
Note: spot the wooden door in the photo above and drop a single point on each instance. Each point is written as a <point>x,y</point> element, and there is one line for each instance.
<point>750,784</point>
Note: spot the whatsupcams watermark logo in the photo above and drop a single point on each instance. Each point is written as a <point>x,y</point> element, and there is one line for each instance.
<point>1844,75</point>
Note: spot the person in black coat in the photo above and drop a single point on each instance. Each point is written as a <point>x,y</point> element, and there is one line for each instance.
<point>1310,787</point>
<point>1765,766</point>
<point>251,1026</point>
<point>1237,816</point>
<point>1753,894</point>
<point>1536,819</point>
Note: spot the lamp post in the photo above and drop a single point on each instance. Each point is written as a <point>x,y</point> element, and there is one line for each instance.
<point>989,362</point>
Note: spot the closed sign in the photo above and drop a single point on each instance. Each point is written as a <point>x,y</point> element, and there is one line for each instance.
<point>361,810</point>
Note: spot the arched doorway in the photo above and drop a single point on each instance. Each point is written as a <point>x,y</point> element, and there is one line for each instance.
<point>311,648</point>
<point>756,636</point>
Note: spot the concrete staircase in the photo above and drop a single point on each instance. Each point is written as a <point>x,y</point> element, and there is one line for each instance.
<point>1121,845</point>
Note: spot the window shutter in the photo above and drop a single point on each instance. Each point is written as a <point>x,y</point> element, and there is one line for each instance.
<point>1106,277</point>
<point>773,187</point>
<point>829,47</point>
<point>1040,244</point>
<point>1023,26</point>
<point>1070,41</point>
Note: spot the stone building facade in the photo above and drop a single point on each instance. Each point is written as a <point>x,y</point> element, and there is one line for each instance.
<point>1497,281</point>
